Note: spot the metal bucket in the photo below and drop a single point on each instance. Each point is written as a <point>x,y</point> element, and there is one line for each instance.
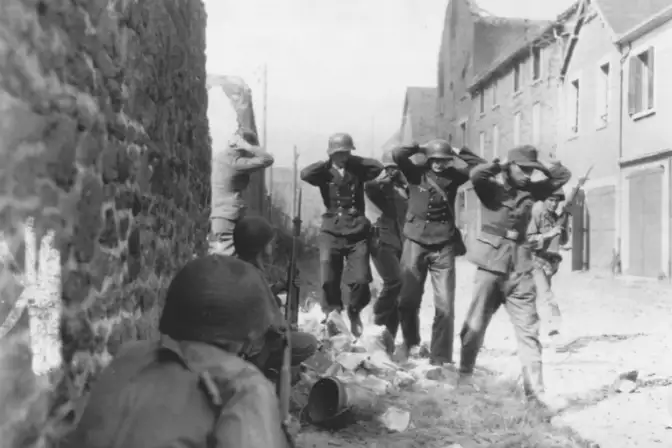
<point>327,402</point>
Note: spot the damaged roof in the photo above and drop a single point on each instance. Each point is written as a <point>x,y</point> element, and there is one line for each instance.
<point>420,108</point>
<point>504,40</point>
<point>624,16</point>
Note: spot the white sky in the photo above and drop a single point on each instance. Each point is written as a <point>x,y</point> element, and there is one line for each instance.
<point>335,66</point>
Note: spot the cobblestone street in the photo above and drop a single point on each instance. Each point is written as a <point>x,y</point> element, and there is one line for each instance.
<point>611,326</point>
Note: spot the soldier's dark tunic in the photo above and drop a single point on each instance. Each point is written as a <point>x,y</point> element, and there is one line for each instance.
<point>504,260</point>
<point>391,200</point>
<point>345,229</point>
<point>430,234</point>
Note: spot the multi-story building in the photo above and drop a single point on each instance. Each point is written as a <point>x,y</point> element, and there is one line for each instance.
<point>616,118</point>
<point>498,85</point>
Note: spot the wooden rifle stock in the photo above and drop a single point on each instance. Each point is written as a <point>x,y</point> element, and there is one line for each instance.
<point>291,312</point>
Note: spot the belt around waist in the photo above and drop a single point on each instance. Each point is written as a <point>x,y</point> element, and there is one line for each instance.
<point>509,234</point>
<point>346,211</point>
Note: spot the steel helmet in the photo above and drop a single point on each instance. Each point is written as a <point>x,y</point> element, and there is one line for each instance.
<point>438,149</point>
<point>217,298</point>
<point>340,142</point>
<point>388,160</point>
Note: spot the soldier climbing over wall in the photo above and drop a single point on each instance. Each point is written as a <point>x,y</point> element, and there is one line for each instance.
<point>389,195</point>
<point>253,237</point>
<point>191,387</point>
<point>231,172</point>
<point>432,243</point>
<point>507,191</point>
<point>345,229</point>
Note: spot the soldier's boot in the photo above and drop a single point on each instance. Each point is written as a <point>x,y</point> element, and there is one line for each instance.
<point>533,383</point>
<point>335,323</point>
<point>402,353</point>
<point>356,325</point>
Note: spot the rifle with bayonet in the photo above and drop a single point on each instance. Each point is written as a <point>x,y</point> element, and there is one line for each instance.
<point>563,219</point>
<point>291,313</point>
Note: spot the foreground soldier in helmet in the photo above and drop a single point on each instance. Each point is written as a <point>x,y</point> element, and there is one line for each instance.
<point>547,236</point>
<point>231,172</point>
<point>432,242</point>
<point>191,388</point>
<point>253,237</point>
<point>389,195</point>
<point>503,256</point>
<point>345,228</point>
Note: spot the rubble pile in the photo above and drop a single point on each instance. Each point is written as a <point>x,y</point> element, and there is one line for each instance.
<point>363,368</point>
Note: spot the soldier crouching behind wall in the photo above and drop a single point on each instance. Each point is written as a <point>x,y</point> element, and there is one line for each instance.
<point>253,237</point>
<point>191,387</point>
<point>231,170</point>
<point>432,243</point>
<point>507,191</point>
<point>345,229</point>
<point>389,194</point>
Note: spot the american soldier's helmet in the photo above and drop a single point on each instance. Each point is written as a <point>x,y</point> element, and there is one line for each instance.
<point>340,142</point>
<point>438,149</point>
<point>251,236</point>
<point>559,193</point>
<point>217,298</point>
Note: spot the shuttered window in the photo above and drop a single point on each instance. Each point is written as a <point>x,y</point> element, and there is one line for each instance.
<point>641,86</point>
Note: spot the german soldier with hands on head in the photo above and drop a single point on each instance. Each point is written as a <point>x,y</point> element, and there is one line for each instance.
<point>345,231</point>
<point>503,255</point>
<point>432,242</point>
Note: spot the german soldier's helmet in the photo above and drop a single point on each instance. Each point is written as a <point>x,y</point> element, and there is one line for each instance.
<point>217,298</point>
<point>340,142</point>
<point>438,149</point>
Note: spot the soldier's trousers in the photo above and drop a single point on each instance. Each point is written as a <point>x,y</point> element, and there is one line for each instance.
<point>345,259</point>
<point>221,236</point>
<point>386,261</point>
<point>439,261</point>
<point>517,293</point>
<point>546,298</point>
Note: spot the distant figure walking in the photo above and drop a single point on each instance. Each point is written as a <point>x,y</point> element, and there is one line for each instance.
<point>547,237</point>
<point>345,228</point>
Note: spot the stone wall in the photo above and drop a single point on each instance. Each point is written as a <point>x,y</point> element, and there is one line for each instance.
<point>104,139</point>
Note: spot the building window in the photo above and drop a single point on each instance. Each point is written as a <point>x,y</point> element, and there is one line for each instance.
<point>495,141</point>
<point>481,144</point>
<point>516,128</point>
<point>481,101</point>
<point>641,85</point>
<point>573,101</point>
<point>536,123</point>
<point>493,89</point>
<point>516,78</point>
<point>464,134</point>
<point>536,63</point>
<point>603,94</point>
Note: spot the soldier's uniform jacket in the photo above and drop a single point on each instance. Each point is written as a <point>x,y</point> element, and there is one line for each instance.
<point>501,246</point>
<point>231,172</point>
<point>430,218</point>
<point>343,195</point>
<point>542,221</point>
<point>390,203</point>
<point>157,394</point>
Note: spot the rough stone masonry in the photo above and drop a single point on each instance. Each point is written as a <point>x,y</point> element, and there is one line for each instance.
<point>103,139</point>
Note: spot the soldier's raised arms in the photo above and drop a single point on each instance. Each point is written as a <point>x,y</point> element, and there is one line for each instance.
<point>251,159</point>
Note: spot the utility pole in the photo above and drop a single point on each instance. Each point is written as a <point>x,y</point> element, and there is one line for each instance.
<point>373,135</point>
